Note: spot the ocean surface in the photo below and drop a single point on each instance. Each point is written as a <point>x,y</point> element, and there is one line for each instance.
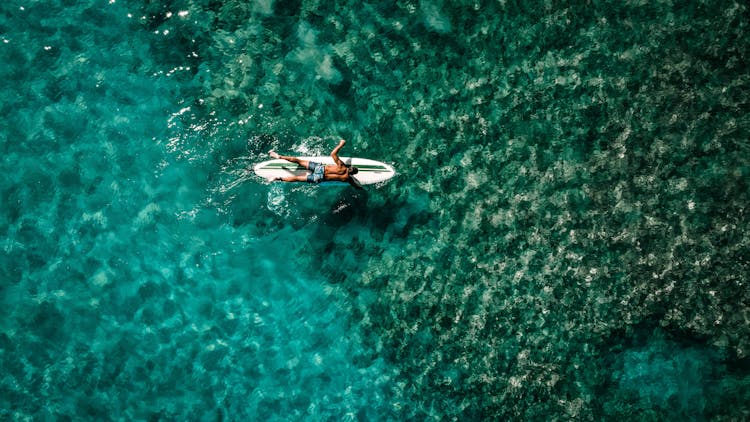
<point>567,237</point>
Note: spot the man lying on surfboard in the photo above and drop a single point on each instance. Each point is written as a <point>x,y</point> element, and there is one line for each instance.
<point>338,172</point>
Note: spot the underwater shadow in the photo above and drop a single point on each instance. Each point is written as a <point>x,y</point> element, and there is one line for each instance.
<point>655,371</point>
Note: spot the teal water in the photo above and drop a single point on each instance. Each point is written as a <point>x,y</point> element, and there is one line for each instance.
<point>566,239</point>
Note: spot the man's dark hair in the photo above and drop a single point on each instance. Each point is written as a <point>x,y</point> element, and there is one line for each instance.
<point>353,170</point>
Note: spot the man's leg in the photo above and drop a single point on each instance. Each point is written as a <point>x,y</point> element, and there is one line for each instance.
<point>303,163</point>
<point>291,179</point>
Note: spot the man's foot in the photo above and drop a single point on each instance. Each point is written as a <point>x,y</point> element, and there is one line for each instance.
<point>274,154</point>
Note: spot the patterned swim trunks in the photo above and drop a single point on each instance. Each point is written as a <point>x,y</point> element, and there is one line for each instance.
<point>318,171</point>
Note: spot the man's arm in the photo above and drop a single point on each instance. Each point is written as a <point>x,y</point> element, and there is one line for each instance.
<point>335,152</point>
<point>352,181</point>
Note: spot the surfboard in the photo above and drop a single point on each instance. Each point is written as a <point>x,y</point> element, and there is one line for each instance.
<point>370,171</point>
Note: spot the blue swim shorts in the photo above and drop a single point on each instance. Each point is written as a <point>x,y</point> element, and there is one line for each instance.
<point>318,171</point>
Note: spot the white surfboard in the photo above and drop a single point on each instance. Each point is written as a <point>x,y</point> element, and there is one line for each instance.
<point>370,171</point>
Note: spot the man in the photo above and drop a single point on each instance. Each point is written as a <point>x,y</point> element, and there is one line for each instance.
<point>338,172</point>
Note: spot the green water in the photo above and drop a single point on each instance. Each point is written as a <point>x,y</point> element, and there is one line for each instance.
<point>566,238</point>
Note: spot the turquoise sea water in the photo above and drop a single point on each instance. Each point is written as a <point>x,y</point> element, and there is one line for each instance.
<point>566,239</point>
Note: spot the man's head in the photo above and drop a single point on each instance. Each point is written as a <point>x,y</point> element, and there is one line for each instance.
<point>353,170</point>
